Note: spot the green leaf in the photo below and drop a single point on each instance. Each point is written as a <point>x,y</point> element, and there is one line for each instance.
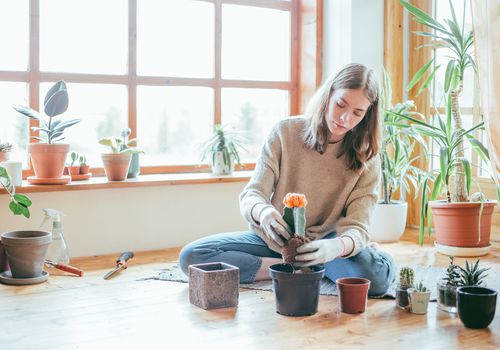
<point>24,200</point>
<point>3,172</point>
<point>31,113</point>
<point>450,69</point>
<point>66,124</point>
<point>479,148</point>
<point>424,17</point>
<point>444,164</point>
<point>56,101</point>
<point>428,80</point>
<point>24,211</point>
<point>468,172</point>
<point>15,208</point>
<point>419,74</point>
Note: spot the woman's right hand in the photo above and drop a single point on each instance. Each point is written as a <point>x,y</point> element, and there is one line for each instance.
<point>273,225</point>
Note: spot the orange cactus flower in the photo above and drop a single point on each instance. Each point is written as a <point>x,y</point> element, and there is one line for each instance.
<point>295,200</point>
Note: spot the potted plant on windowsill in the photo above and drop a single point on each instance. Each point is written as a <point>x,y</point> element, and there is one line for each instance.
<point>221,149</point>
<point>388,220</point>
<point>5,148</point>
<point>116,163</point>
<point>48,156</point>
<point>462,226</point>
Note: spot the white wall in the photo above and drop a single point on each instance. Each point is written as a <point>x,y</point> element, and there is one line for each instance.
<point>353,33</point>
<point>116,220</point>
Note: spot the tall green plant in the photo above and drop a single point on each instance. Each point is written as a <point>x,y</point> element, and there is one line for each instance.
<point>398,143</point>
<point>55,103</point>
<point>449,34</point>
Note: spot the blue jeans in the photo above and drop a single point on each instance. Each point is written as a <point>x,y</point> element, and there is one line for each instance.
<point>246,250</point>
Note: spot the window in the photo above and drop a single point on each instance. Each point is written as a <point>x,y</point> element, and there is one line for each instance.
<point>169,70</point>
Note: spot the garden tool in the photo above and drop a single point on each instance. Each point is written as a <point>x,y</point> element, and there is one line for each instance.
<point>121,264</point>
<point>63,267</point>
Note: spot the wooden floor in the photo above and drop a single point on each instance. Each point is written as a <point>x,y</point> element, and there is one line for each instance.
<point>128,313</point>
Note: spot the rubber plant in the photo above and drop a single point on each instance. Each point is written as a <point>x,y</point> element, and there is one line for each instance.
<point>19,203</point>
<point>447,132</point>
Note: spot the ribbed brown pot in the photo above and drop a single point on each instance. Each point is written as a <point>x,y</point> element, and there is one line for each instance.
<point>116,165</point>
<point>457,224</point>
<point>48,160</point>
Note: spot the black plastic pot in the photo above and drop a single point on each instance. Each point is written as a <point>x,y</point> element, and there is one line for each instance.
<point>402,300</point>
<point>297,294</point>
<point>476,306</point>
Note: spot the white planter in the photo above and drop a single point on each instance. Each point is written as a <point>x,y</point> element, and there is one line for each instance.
<point>218,166</point>
<point>388,221</point>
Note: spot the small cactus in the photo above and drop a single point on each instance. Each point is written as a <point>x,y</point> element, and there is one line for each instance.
<point>406,276</point>
<point>294,213</point>
<point>452,277</point>
<point>421,288</point>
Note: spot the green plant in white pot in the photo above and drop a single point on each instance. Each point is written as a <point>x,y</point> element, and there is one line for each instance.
<point>462,226</point>
<point>222,150</point>
<point>116,163</point>
<point>388,220</point>
<point>5,148</point>
<point>48,155</point>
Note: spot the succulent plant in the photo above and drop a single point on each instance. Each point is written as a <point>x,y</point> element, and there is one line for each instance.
<point>452,277</point>
<point>421,288</point>
<point>223,140</point>
<point>294,213</point>
<point>406,275</point>
<point>120,144</point>
<point>472,275</point>
<point>5,146</point>
<point>55,103</point>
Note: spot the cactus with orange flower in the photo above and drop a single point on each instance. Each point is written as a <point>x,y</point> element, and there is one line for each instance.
<point>294,214</point>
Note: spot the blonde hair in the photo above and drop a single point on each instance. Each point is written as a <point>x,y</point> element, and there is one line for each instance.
<point>362,142</point>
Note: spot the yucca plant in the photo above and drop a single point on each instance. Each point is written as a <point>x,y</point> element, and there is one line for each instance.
<point>452,139</point>
<point>472,275</point>
<point>226,141</point>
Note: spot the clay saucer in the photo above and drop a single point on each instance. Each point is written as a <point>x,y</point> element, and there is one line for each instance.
<point>63,180</point>
<point>6,278</point>
<point>81,177</point>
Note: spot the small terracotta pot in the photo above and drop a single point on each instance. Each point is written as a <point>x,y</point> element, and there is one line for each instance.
<point>74,170</point>
<point>456,224</point>
<point>48,160</point>
<point>353,293</point>
<point>84,169</point>
<point>116,165</point>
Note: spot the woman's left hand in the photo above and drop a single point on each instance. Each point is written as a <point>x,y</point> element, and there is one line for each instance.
<point>319,252</point>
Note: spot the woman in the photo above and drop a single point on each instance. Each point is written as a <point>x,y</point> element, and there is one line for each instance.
<point>331,157</point>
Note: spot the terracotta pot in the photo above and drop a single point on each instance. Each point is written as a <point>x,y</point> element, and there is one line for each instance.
<point>456,224</point>
<point>116,165</point>
<point>297,294</point>
<point>74,170</point>
<point>4,156</point>
<point>48,160</point>
<point>84,169</point>
<point>353,293</point>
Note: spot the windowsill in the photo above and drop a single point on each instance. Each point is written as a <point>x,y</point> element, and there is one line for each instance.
<point>141,181</point>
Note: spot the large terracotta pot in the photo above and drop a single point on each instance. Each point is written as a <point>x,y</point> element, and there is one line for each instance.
<point>116,165</point>
<point>48,160</point>
<point>457,224</point>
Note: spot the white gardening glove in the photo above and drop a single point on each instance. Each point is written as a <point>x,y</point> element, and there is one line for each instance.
<point>273,225</point>
<point>319,252</point>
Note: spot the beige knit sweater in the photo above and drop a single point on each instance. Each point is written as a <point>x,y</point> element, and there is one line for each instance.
<point>338,199</point>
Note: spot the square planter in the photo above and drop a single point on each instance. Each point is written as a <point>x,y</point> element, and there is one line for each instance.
<point>214,285</point>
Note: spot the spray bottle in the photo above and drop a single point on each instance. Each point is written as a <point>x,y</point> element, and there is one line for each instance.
<point>58,250</point>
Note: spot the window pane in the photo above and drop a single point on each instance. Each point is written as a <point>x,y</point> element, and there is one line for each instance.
<point>14,126</point>
<point>14,35</point>
<point>103,111</point>
<point>175,38</point>
<point>255,43</point>
<point>172,123</point>
<point>254,112</point>
<point>84,36</point>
